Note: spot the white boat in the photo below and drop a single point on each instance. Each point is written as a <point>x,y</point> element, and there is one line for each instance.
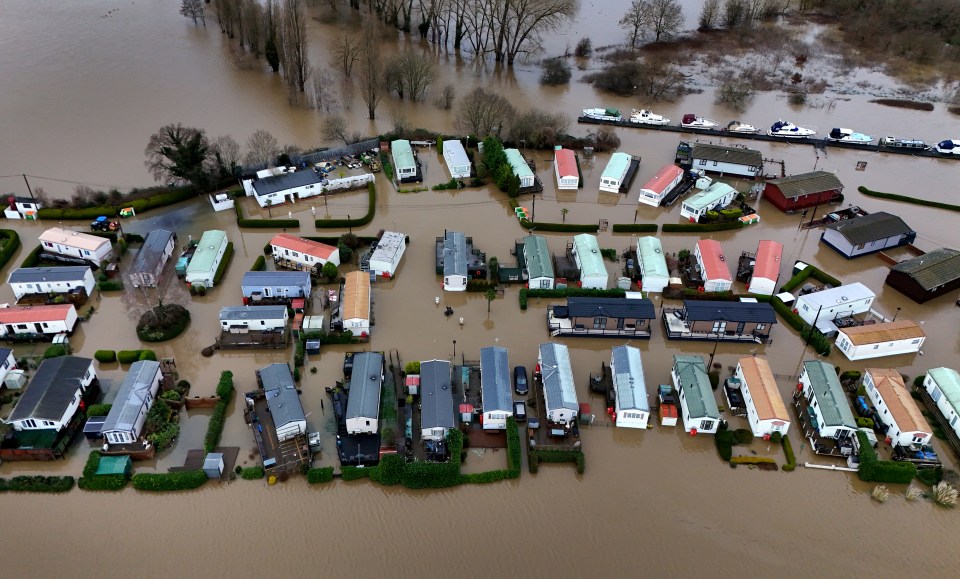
<point>789,130</point>
<point>948,147</point>
<point>743,128</point>
<point>691,121</point>
<point>841,135</point>
<point>643,116</point>
<point>603,114</point>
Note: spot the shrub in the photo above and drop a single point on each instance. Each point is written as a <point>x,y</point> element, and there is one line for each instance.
<point>320,475</point>
<point>252,473</point>
<point>930,476</point>
<point>788,453</point>
<point>329,271</point>
<point>555,71</point>
<point>863,422</point>
<point>10,244</point>
<point>37,484</point>
<point>219,417</point>
<point>163,438</point>
<point>55,351</point>
<point>33,258</point>
<point>560,227</point>
<point>479,285</point>
<point>110,286</point>
<point>391,469</point>
<point>918,381</point>
<point>700,227</point>
<point>163,322</point>
<point>776,437</point>
<point>224,262</point>
<point>584,48</point>
<point>170,481</point>
<point>850,376</point>
<point>743,436</point>
<point>259,264</point>
<point>725,441</point>
<point>559,456</point>
<point>128,356</point>
<point>91,481</point>
<point>411,368</point>
<point>171,395</point>
<point>349,473</point>
<point>105,356</point>
<point>752,460</point>
<point>635,227</point>
<point>99,409</point>
<point>885,471</point>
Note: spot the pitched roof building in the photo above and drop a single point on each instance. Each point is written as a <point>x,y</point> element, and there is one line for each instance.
<point>927,276</point>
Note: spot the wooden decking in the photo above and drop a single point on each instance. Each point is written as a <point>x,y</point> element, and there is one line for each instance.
<point>678,329</point>
<point>820,445</point>
<point>252,340</point>
<point>288,454</point>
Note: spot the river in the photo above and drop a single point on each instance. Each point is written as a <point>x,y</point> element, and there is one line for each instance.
<point>80,105</point>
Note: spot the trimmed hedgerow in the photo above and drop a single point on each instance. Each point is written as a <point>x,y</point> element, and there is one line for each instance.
<point>131,356</point>
<point>219,417</point>
<point>169,481</point>
<point>560,227</point>
<point>349,472</point>
<point>55,351</point>
<point>37,484</point>
<point>701,227</point>
<point>222,268</point>
<point>259,264</point>
<point>320,475</point>
<point>99,409</point>
<point>907,199</point>
<point>788,453</point>
<point>807,272</point>
<point>752,460</point>
<point>105,356</point>
<point>91,481</point>
<point>556,456</point>
<point>341,223</point>
<point>872,469</point>
<point>391,469</point>
<point>635,227</point>
<point>252,473</point>
<point>264,223</point>
<point>11,242</point>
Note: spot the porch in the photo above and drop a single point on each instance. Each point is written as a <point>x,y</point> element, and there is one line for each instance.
<point>558,325</point>
<point>251,340</point>
<point>841,447</point>
<point>677,328</point>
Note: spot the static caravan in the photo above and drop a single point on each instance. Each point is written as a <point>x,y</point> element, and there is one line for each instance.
<point>458,163</point>
<point>275,286</point>
<point>76,244</point>
<point>43,320</point>
<point>436,400</point>
<point>766,412</point>
<point>243,319</point>
<point>609,317</point>
<point>520,168</point>
<point>559,389</point>
<point>901,420</point>
<point>495,388</point>
<point>283,401</point>
<point>565,169</point>
<point>455,273</point>
<point>53,395</point>
<point>206,260</point>
<point>821,308</point>
<point>294,252</point>
<point>867,234</point>
<point>713,266</point>
<point>404,161</point>
<point>355,303</point>
<point>631,409</point>
<point>537,261</point>
<point>363,399</point>
<point>586,254</point>
<point>51,280</point>
<point>878,340</point>
<point>943,386</point>
<point>278,185</point>
<point>124,422</point>
<point>716,196</point>
<point>152,257</point>
<point>385,259</point>
<point>662,183</point>
<point>654,274</point>
<point>766,269</point>
<point>614,176</point>
<point>830,416</point>
<point>727,160</point>
<point>698,407</point>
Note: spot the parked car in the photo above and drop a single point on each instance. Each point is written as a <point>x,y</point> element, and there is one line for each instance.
<point>520,411</point>
<point>520,381</point>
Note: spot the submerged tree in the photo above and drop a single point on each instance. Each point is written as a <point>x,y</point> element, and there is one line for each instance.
<point>661,19</point>
<point>483,113</point>
<point>270,50</point>
<point>225,155</point>
<point>293,44</point>
<point>193,9</point>
<point>179,152</point>
<point>371,70</point>
<point>262,148</point>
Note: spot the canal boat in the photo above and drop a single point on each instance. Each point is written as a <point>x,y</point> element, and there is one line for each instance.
<point>603,114</point>
<point>896,142</point>
<point>742,128</point>
<point>646,117</point>
<point>841,135</point>
<point>948,147</point>
<point>692,121</point>
<point>788,130</point>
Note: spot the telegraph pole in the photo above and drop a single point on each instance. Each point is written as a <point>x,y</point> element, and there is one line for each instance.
<point>28,186</point>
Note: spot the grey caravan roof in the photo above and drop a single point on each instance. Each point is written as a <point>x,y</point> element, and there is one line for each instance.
<point>283,401</point>
<point>628,379</point>
<point>233,313</point>
<point>274,279</point>
<point>495,379</point>
<point>436,395</point>
<point>454,254</point>
<point>40,274</point>
<point>559,389</point>
<point>152,250</point>
<point>51,390</point>
<point>365,386</point>
<point>134,391</point>
<point>832,402</point>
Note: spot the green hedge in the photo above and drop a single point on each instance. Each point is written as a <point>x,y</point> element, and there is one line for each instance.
<point>163,439</point>
<point>423,475</point>
<point>349,473</point>
<point>155,201</point>
<point>391,469</point>
<point>724,440</point>
<point>788,453</point>
<point>11,242</point>
<point>536,456</point>
<point>105,356</point>
<point>907,199</point>
<point>701,227</point>
<point>264,223</point>
<point>930,476</point>
<point>131,356</point>
<point>514,460</point>
<point>560,227</point>
<point>110,286</point>
<point>259,264</point>
<point>219,417</point>
<point>752,460</point>
<point>222,268</point>
<point>872,469</point>
<point>341,223</point>
<point>864,422</point>
<point>37,484</point>
<point>479,285</point>
<point>170,481</point>
<point>412,367</point>
<point>91,481</point>
<point>810,271</point>
<point>55,351</point>
<point>571,292</point>
<point>252,473</point>
<point>32,259</point>
<point>320,475</point>
<point>635,227</point>
<point>99,409</point>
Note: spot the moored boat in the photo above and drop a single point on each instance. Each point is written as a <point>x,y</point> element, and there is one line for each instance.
<point>742,128</point>
<point>646,117</point>
<point>948,147</point>
<point>692,121</point>
<point>789,130</point>
<point>841,135</point>
<point>603,114</point>
<point>899,143</point>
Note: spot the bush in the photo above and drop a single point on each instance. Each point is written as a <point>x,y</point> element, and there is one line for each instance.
<point>350,473</point>
<point>9,243</point>
<point>170,481</point>
<point>55,351</point>
<point>99,409</point>
<point>700,227</point>
<point>37,484</point>
<point>219,417</point>
<point>163,438</point>
<point>555,71</point>
<point>222,268</point>
<point>560,227</point>
<point>259,264</point>
<point>884,471</point>
<point>558,456</point>
<point>252,473</point>
<point>33,258</point>
<point>807,272</point>
<point>105,356</point>
<point>411,368</point>
<point>850,376</point>
<point>930,476</point>
<point>863,422</point>
<point>743,436</point>
<point>342,223</point>
<point>479,285</point>
<point>725,441</point>
<point>163,322</point>
<point>584,48</point>
<point>128,356</point>
<point>320,475</point>
<point>265,223</point>
<point>391,469</point>
<point>788,453</point>
<point>635,227</point>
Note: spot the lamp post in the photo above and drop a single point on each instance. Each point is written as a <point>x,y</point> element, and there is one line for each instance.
<point>895,315</point>
<point>454,348</point>
<point>349,224</point>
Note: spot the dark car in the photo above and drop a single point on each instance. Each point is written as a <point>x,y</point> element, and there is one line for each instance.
<point>520,380</point>
<point>520,411</point>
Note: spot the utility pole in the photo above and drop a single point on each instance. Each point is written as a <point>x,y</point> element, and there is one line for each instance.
<point>533,212</point>
<point>24,175</point>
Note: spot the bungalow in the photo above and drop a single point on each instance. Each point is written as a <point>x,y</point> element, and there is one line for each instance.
<point>943,386</point>
<point>283,401</point>
<point>385,259</point>
<point>867,234</point>
<point>613,179</point>
<point>458,163</point>
<point>72,279</point>
<point>586,254</point>
<point>698,407</point>
<point>654,274</point>
<point>495,388</point>
<point>660,185</point>
<point>294,252</point>
<point>537,262</point>
<point>151,258</point>
<point>520,168</point>
<point>716,196</point>
<point>278,185</point>
<point>720,321</point>
<point>454,261</point>
<point>565,169</point>
<point>820,309</point>
<point>878,340</point>
<point>713,266</point>
<point>798,192</point>
<point>766,412</point>
<point>124,422</point>
<point>727,160</point>
<point>363,399</point>
<point>826,406</point>
<point>436,400</point>
<point>900,418</point>
<point>766,268</point>
<point>355,303</point>
<point>53,395</point>
<point>76,244</point>
<point>631,407</point>
<point>927,276</point>
<point>559,390</point>
<point>405,164</point>
<point>275,286</point>
<point>243,319</point>
<point>43,320</point>
<point>601,317</point>
<point>205,262</point>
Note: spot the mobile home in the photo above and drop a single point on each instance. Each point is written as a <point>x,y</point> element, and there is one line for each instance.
<point>766,412</point>
<point>901,420</point>
<point>458,163</point>
<point>716,196</point>
<point>713,266</point>
<point>537,261</point>
<point>436,400</point>
<point>76,244</point>
<point>363,401</point>
<point>151,258</point>
<point>698,407</point>
<point>820,308</point>
<point>565,169</point>
<point>614,176</point>
<point>404,161</point>
<point>559,389</point>
<point>355,303</point>
<point>43,320</point>
<point>586,254</point>
<point>943,386</point>
<point>495,388</point>
<point>662,183</point>
<point>124,422</point>
<point>385,259</point>
<point>631,409</point>
<point>520,168</point>
<point>27,281</point>
<point>282,286</point>
<point>53,396</point>
<point>654,274</point>
<point>283,401</point>
<point>878,340</point>
<point>766,269</point>
<point>294,252</point>
<point>206,260</point>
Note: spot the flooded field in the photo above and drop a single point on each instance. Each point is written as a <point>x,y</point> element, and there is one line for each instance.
<point>648,500</point>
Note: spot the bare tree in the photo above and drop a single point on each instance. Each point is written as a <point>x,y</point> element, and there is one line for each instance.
<point>193,9</point>
<point>418,74</point>
<point>525,21</point>
<point>271,50</point>
<point>262,148</point>
<point>335,129</point>
<point>538,128</point>
<point>371,70</point>
<point>252,16</point>
<point>709,15</point>
<point>345,53</point>
<point>483,113</point>
<point>634,21</point>
<point>322,96</point>
<point>661,19</point>
<point>225,11</point>
<point>293,43</point>
<point>446,98</point>
<point>225,154</point>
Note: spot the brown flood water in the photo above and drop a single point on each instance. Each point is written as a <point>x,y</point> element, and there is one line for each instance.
<point>655,501</point>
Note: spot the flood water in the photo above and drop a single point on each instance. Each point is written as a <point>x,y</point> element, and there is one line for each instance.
<point>655,502</point>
